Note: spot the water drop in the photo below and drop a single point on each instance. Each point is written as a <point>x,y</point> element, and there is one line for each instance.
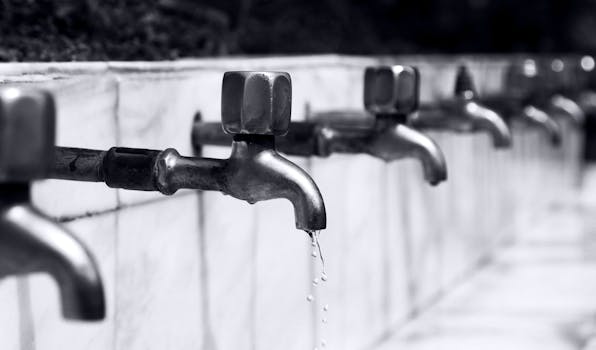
<point>324,277</point>
<point>323,343</point>
<point>314,254</point>
<point>324,320</point>
<point>315,281</point>
<point>326,307</point>
<point>309,298</point>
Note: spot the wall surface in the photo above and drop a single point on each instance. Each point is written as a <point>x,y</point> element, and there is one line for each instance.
<point>206,271</point>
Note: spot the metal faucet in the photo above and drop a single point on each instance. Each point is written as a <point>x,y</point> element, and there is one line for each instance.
<point>29,240</point>
<point>585,91</point>
<point>517,102</point>
<point>256,107</point>
<point>463,113</point>
<point>390,94</point>
<point>557,92</point>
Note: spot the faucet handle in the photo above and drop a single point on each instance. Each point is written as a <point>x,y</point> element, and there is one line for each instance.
<point>391,89</point>
<point>523,79</point>
<point>256,103</point>
<point>464,83</point>
<point>27,133</point>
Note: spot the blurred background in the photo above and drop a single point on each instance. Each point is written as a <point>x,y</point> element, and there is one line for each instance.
<point>64,30</point>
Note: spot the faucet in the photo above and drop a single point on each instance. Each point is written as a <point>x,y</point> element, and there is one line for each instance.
<point>256,107</point>
<point>463,113</point>
<point>30,241</point>
<point>563,86</point>
<point>557,91</point>
<point>585,89</point>
<point>390,94</point>
<point>521,84</point>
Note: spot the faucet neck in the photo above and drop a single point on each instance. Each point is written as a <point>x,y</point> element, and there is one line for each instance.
<point>260,141</point>
<point>384,120</point>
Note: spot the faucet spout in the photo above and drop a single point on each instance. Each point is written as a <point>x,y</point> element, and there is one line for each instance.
<point>400,141</point>
<point>540,118</point>
<point>484,118</point>
<point>256,172</point>
<point>568,107</point>
<point>463,115</point>
<point>31,242</point>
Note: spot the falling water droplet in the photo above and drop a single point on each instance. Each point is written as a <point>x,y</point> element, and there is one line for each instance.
<point>314,254</point>
<point>326,307</point>
<point>324,277</point>
<point>315,281</point>
<point>309,298</point>
<point>324,320</point>
<point>323,343</point>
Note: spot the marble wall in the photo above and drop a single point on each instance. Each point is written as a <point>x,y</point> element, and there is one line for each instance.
<point>206,271</point>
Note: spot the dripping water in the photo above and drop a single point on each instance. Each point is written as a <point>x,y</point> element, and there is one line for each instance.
<point>317,253</point>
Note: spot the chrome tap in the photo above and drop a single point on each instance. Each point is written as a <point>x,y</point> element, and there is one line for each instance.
<point>585,92</point>
<point>463,113</point>
<point>256,107</point>
<point>516,102</point>
<point>30,241</point>
<point>561,89</point>
<point>390,94</point>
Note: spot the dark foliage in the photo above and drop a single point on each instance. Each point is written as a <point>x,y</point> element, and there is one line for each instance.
<point>50,30</point>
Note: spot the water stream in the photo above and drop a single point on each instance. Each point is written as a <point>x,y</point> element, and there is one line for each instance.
<point>317,253</point>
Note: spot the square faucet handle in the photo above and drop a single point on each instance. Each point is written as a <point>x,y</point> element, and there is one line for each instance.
<point>27,134</point>
<point>256,103</point>
<point>520,78</point>
<point>564,74</point>
<point>464,83</point>
<point>523,78</point>
<point>391,89</point>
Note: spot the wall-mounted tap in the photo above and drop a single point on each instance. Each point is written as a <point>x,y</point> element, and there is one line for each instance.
<point>561,83</point>
<point>256,107</point>
<point>30,242</point>
<point>585,92</point>
<point>463,113</point>
<point>520,85</point>
<point>391,94</point>
<point>560,90</point>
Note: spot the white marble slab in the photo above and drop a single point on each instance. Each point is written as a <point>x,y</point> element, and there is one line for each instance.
<point>158,280</point>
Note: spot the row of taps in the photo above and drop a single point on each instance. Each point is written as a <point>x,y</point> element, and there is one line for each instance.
<point>255,121</point>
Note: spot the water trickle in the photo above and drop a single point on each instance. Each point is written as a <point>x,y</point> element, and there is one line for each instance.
<point>314,235</point>
<point>317,253</point>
